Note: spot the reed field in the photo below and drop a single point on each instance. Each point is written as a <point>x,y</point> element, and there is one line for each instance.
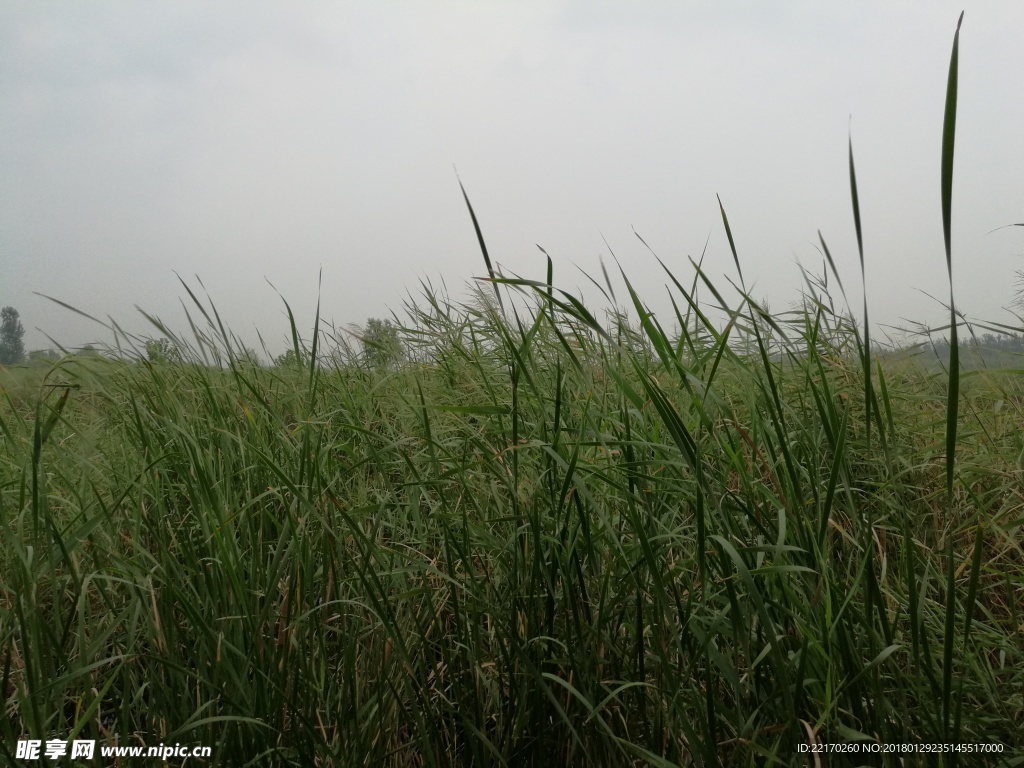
<point>542,534</point>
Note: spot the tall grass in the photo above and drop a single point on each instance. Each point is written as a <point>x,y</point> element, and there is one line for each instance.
<point>542,539</point>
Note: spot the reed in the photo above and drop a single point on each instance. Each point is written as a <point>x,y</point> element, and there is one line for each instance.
<point>543,539</point>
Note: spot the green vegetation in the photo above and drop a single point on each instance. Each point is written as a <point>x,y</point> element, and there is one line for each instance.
<point>534,538</point>
<point>382,344</point>
<point>161,350</point>
<point>12,335</point>
<point>987,350</point>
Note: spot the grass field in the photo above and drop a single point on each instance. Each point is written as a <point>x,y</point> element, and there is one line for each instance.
<point>544,536</point>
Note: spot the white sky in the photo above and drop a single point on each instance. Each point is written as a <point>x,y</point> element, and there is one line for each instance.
<point>247,142</point>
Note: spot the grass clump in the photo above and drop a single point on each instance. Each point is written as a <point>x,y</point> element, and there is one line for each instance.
<point>540,538</point>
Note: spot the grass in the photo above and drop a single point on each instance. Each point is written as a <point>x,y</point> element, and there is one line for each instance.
<point>542,538</point>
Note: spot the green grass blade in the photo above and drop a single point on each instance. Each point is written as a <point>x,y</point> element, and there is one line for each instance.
<point>948,146</point>
<point>483,245</point>
<point>866,349</point>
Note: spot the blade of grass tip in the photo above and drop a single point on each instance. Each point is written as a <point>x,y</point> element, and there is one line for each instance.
<point>480,240</point>
<point>291,322</point>
<point>316,337</point>
<point>684,323</point>
<point>1005,226</point>
<point>216,325</point>
<point>551,288</point>
<point>86,315</point>
<point>263,344</point>
<point>722,304</point>
<point>604,271</point>
<point>693,285</point>
<point>700,319</point>
<point>832,266</point>
<point>732,244</point>
<point>684,339</point>
<point>600,288</point>
<point>657,337</point>
<point>551,283</point>
<point>866,350</point>
<point>201,343</point>
<point>948,143</point>
<point>195,299</point>
<point>551,271</point>
<point>571,306</point>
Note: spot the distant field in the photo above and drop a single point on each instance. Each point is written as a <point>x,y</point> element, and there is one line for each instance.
<point>523,542</point>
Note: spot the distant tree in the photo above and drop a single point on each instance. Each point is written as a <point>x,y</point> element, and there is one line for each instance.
<point>12,337</point>
<point>248,356</point>
<point>162,351</point>
<point>290,360</point>
<point>381,344</point>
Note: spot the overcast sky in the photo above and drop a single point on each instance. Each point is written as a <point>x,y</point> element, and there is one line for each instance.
<point>255,142</point>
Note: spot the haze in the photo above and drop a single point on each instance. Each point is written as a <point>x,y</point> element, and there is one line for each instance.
<point>255,142</point>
